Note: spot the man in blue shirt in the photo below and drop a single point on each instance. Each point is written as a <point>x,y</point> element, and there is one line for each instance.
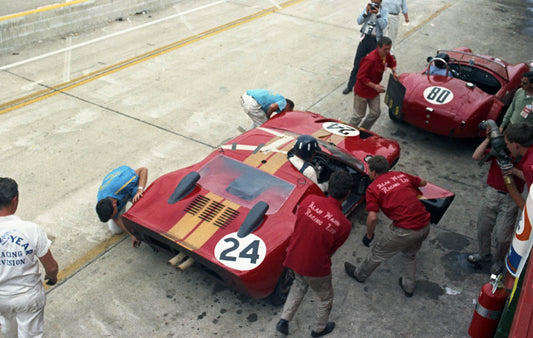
<point>374,20</point>
<point>260,104</point>
<point>121,185</point>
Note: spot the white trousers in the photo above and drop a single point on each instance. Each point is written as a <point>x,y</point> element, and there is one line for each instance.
<point>254,110</point>
<point>22,315</point>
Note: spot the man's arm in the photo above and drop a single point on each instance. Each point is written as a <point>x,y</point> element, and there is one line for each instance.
<point>271,109</point>
<point>142,172</point>
<point>422,183</point>
<point>404,10</point>
<point>371,221</point>
<point>479,153</point>
<point>508,113</point>
<point>51,267</point>
<point>136,243</point>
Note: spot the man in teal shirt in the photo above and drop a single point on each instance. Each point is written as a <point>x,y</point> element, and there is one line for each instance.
<point>118,187</point>
<point>260,104</point>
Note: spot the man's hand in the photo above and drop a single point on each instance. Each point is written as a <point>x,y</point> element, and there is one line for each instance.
<point>379,88</point>
<point>367,241</point>
<point>138,195</point>
<point>50,280</point>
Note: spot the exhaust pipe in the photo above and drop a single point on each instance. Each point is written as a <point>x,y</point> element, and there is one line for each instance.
<point>187,264</point>
<point>176,259</point>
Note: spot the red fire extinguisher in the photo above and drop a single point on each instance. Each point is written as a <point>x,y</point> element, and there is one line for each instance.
<point>489,308</point>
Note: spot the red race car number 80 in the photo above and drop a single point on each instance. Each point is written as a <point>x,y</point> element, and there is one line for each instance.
<point>241,254</point>
<point>438,95</point>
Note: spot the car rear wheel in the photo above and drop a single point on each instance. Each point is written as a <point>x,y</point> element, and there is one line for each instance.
<point>280,293</point>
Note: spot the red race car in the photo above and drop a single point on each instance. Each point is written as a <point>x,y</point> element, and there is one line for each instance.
<point>470,89</point>
<point>233,212</point>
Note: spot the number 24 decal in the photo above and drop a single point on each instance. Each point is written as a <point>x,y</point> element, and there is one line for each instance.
<point>249,252</point>
<point>340,129</point>
<point>238,253</point>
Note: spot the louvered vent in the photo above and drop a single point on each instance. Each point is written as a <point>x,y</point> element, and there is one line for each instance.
<point>213,212</point>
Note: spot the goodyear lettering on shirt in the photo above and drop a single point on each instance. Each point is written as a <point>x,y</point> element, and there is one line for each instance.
<point>16,257</point>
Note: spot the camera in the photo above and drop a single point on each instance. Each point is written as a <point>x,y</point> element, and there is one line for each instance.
<point>373,6</point>
<point>497,144</point>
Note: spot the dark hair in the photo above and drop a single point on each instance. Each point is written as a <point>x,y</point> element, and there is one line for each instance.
<point>529,76</point>
<point>384,41</point>
<point>104,209</point>
<point>521,133</point>
<point>290,105</point>
<point>379,164</point>
<point>8,191</point>
<point>340,184</point>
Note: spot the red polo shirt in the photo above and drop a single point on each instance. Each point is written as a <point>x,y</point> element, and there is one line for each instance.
<point>321,228</point>
<point>371,69</point>
<point>527,167</point>
<point>395,193</point>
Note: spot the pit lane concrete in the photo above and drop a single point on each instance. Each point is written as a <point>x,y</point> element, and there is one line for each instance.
<point>129,100</point>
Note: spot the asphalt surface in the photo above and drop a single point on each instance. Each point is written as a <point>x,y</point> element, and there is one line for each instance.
<point>162,91</point>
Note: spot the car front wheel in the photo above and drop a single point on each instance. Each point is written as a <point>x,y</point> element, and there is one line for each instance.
<point>280,293</point>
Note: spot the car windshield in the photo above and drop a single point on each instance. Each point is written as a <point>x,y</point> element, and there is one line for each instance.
<point>491,64</point>
<point>243,184</point>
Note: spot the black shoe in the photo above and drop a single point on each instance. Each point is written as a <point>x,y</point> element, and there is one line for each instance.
<point>407,294</point>
<point>329,327</point>
<point>283,326</point>
<point>350,271</point>
<point>346,90</point>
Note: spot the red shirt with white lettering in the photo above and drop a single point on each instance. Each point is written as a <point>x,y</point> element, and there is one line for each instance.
<point>320,229</point>
<point>395,193</point>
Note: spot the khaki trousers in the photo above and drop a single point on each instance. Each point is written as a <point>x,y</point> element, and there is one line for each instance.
<point>395,240</point>
<point>322,288</point>
<point>359,107</point>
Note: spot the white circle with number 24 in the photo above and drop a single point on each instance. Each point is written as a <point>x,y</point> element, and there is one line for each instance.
<point>438,95</point>
<point>340,129</point>
<point>241,254</point>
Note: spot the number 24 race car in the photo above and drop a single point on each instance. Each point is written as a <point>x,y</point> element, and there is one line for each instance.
<point>473,88</point>
<point>232,214</point>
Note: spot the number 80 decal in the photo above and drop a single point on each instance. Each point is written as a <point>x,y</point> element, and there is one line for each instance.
<point>241,254</point>
<point>438,95</point>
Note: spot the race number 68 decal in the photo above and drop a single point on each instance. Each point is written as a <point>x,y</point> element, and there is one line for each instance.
<point>340,129</point>
<point>438,95</point>
<point>242,254</point>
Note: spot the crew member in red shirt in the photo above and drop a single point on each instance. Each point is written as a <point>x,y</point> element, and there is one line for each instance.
<point>519,140</point>
<point>321,228</point>
<point>395,193</point>
<point>367,87</point>
<point>495,204</point>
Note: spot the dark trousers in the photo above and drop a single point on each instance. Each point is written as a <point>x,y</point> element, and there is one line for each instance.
<point>368,44</point>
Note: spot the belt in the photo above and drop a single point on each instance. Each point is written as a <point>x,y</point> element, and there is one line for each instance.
<point>502,192</point>
<point>371,35</point>
<point>394,13</point>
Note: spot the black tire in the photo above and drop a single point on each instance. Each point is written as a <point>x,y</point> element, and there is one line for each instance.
<point>280,293</point>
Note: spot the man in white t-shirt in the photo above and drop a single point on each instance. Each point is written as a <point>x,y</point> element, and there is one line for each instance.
<point>22,245</point>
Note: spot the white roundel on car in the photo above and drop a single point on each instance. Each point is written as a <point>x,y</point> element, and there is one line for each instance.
<point>241,254</point>
<point>340,129</point>
<point>438,95</point>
